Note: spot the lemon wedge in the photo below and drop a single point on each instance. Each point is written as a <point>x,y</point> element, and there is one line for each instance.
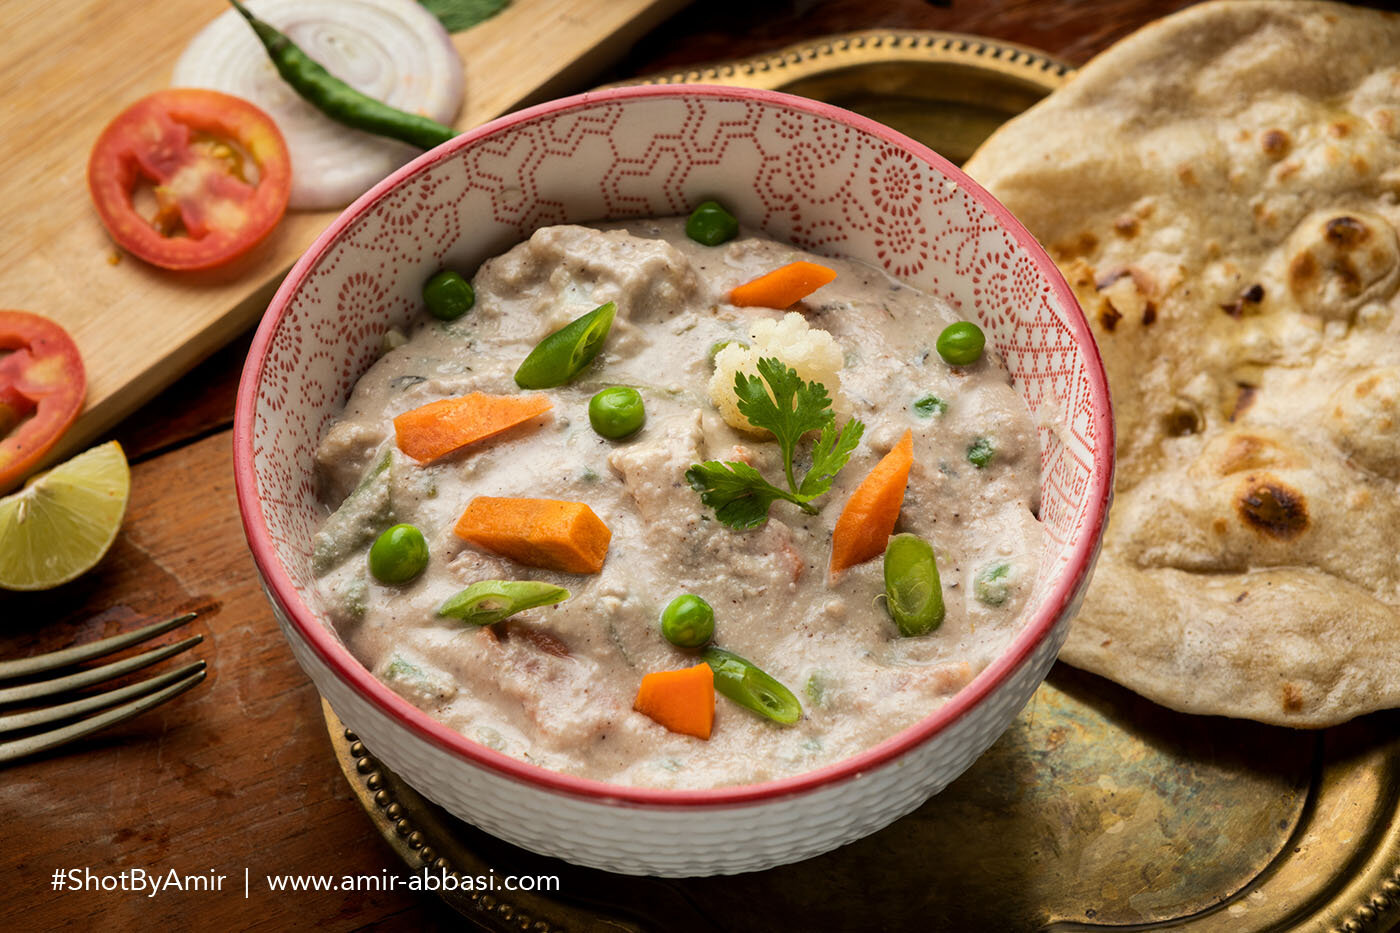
<point>62,522</point>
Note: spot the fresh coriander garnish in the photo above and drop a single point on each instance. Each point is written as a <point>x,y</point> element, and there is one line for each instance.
<point>737,492</point>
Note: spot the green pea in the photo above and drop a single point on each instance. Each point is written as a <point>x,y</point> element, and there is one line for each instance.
<point>961,344</point>
<point>617,412</point>
<point>913,592</point>
<point>560,356</point>
<point>398,555</point>
<point>448,296</point>
<point>930,405</point>
<point>688,621</point>
<point>992,584</point>
<point>487,602</point>
<point>711,225</point>
<point>746,684</point>
<point>981,451</point>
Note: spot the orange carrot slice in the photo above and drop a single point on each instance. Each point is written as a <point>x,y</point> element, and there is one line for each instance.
<point>438,428</point>
<point>783,286</point>
<point>682,701</point>
<point>548,533</point>
<point>867,521</point>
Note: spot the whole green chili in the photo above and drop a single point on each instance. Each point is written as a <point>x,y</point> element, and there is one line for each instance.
<point>338,100</point>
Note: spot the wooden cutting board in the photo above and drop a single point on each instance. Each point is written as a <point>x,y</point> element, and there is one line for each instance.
<point>67,68</point>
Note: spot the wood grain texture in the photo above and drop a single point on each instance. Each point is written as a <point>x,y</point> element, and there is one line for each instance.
<point>68,68</point>
<point>235,774</point>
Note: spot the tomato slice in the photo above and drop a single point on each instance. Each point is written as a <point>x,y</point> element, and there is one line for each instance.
<point>42,385</point>
<point>190,146</point>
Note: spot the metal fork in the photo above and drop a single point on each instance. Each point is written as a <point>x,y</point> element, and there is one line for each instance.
<point>120,704</point>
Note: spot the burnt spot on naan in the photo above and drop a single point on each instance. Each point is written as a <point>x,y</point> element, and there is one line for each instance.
<point>1248,301</point>
<point>1271,508</point>
<point>1335,262</point>
<point>1243,452</point>
<point>1109,316</point>
<point>1126,226</point>
<point>1275,144</point>
<point>1292,698</point>
<point>1074,247</point>
<point>1244,398</point>
<point>1181,421</point>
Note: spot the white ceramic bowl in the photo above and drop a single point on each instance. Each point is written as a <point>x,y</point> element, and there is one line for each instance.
<point>801,171</point>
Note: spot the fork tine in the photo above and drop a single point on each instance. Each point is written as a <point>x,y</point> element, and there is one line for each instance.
<point>23,667</point>
<point>94,675</point>
<point>18,748</point>
<point>16,721</point>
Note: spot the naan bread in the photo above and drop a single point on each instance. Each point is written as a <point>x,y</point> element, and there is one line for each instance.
<point>1222,191</point>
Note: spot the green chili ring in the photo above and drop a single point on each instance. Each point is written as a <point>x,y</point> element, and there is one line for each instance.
<point>487,602</point>
<point>564,353</point>
<point>748,685</point>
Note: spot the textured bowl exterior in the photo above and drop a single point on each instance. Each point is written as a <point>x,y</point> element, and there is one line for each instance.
<point>819,177</point>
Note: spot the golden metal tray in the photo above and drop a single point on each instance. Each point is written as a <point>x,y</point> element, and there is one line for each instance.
<point>1097,810</point>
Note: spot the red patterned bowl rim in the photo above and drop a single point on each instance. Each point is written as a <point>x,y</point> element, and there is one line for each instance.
<point>1056,603</point>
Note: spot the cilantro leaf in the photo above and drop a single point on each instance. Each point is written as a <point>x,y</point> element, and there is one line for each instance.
<point>829,456</point>
<point>790,408</point>
<point>737,492</point>
<point>794,408</point>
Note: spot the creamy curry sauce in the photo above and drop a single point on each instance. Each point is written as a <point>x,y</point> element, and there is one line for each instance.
<point>555,686</point>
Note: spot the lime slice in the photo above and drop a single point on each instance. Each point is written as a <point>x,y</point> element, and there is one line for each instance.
<point>62,522</point>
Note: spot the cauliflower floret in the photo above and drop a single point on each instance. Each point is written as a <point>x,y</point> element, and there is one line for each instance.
<point>813,353</point>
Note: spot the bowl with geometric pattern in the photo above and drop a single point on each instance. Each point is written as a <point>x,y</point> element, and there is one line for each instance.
<point>816,176</point>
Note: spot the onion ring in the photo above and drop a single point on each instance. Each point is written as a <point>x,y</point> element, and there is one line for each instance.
<point>393,50</point>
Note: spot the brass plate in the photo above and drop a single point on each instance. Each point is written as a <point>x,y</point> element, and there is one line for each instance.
<point>945,89</point>
<point>1097,810</point>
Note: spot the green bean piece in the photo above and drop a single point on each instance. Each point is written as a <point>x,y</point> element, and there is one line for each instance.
<point>710,224</point>
<point>930,405</point>
<point>992,585</point>
<point>961,344</point>
<point>980,452</point>
<point>448,295</point>
<point>913,592</point>
<point>746,684</point>
<point>487,602</point>
<point>688,621</point>
<point>338,100</point>
<point>563,354</point>
<point>398,555</point>
<point>617,412</point>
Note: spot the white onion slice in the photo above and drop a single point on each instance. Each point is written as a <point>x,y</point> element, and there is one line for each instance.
<point>393,50</point>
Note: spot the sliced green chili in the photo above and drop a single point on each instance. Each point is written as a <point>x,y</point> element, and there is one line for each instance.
<point>489,601</point>
<point>746,684</point>
<point>338,100</point>
<point>560,356</point>
<point>913,592</point>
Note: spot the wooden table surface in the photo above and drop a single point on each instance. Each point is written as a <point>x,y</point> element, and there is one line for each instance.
<point>238,774</point>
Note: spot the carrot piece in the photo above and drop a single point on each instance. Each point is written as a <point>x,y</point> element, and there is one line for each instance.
<point>548,533</point>
<point>783,286</point>
<point>868,518</point>
<point>438,428</point>
<point>682,701</point>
